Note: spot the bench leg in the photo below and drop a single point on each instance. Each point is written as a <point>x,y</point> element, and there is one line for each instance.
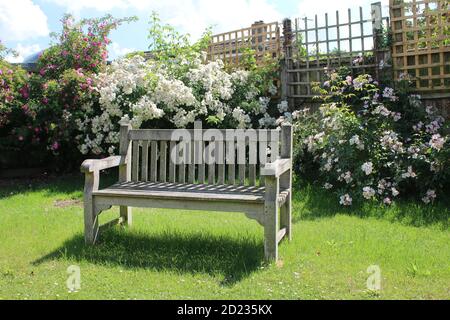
<point>271,211</point>
<point>90,222</point>
<point>90,211</point>
<point>286,218</point>
<point>270,232</point>
<point>126,215</point>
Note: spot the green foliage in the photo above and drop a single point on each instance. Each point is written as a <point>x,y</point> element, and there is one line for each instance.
<point>80,45</point>
<point>369,142</point>
<point>173,49</point>
<point>4,51</point>
<point>41,110</point>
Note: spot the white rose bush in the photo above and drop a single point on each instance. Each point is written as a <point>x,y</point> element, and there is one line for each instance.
<point>368,143</point>
<point>145,91</point>
<point>175,87</point>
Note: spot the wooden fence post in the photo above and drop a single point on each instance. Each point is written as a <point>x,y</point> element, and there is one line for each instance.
<point>376,31</point>
<point>286,63</point>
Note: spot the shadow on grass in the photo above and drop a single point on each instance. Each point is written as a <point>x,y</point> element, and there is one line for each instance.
<point>194,253</point>
<point>311,203</point>
<point>72,183</point>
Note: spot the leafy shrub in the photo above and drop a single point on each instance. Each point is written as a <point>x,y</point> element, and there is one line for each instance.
<point>41,109</point>
<point>71,107</point>
<point>173,89</point>
<point>15,134</point>
<point>372,143</point>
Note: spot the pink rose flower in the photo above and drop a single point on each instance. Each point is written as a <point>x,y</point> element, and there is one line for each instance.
<point>55,146</point>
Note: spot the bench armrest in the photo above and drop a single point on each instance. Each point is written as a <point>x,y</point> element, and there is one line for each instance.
<point>92,165</point>
<point>276,168</point>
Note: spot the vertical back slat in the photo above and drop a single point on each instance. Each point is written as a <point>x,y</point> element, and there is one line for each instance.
<point>162,161</point>
<point>191,166</point>
<point>252,160</point>
<point>274,145</point>
<point>135,162</point>
<point>201,161</point>
<point>172,147</point>
<point>181,152</point>
<point>144,162</point>
<point>231,160</point>
<point>241,155</point>
<point>212,165</point>
<point>220,162</point>
<point>264,135</point>
<point>154,161</point>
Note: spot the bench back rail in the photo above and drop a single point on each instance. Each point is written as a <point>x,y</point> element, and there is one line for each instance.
<point>225,157</point>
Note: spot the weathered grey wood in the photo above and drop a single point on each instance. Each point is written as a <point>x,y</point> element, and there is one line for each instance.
<point>144,162</point>
<point>167,135</point>
<point>231,160</point>
<point>154,161</point>
<point>135,162</point>
<point>191,165</point>
<point>241,158</point>
<point>172,173</point>
<point>91,183</point>
<point>201,163</point>
<point>276,168</point>
<point>125,169</point>
<point>252,160</point>
<point>110,224</point>
<point>212,173</point>
<point>252,208</point>
<point>286,180</point>
<point>163,161</point>
<point>102,164</point>
<point>139,184</point>
<point>184,191</point>
<point>274,146</point>
<point>271,218</point>
<point>181,150</point>
<point>220,153</point>
<point>263,158</point>
<point>283,197</point>
<point>280,235</point>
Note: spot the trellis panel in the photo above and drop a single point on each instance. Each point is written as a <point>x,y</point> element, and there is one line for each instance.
<point>333,45</point>
<point>264,38</point>
<point>421,43</point>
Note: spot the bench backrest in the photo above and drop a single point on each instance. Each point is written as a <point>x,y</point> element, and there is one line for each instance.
<point>211,156</point>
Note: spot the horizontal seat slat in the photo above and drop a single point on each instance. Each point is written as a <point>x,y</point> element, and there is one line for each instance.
<point>200,192</point>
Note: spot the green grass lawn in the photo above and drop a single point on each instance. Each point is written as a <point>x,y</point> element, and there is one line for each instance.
<point>170,254</point>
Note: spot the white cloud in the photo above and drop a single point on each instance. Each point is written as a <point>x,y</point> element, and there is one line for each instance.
<point>116,50</point>
<point>21,20</point>
<point>23,51</point>
<point>191,16</point>
<point>75,6</point>
<point>309,8</point>
<point>195,16</point>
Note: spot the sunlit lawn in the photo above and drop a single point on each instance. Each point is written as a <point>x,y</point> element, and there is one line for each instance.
<point>171,254</point>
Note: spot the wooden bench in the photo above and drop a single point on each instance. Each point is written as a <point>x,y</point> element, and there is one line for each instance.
<point>233,181</point>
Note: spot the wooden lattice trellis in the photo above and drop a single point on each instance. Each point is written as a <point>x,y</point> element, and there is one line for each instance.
<point>347,43</point>
<point>421,43</point>
<point>262,37</point>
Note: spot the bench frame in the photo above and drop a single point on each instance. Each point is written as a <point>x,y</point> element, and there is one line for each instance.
<point>276,210</point>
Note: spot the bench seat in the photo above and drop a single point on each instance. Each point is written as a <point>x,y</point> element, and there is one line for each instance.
<point>180,191</point>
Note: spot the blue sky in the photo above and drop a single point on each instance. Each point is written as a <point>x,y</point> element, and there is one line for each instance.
<point>25,24</point>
